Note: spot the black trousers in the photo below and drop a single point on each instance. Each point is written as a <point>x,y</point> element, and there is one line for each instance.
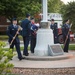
<point>17,45</point>
<point>66,47</point>
<point>55,33</point>
<point>32,44</point>
<point>26,43</point>
<point>55,39</point>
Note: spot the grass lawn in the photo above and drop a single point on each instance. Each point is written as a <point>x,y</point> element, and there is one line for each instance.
<point>71,47</point>
<point>15,49</point>
<point>5,37</point>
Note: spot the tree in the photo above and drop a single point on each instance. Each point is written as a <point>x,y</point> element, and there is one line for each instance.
<point>18,8</point>
<point>54,6</point>
<point>68,12</point>
<point>32,6</point>
<point>11,8</point>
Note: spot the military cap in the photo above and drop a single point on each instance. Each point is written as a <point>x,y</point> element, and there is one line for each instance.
<point>27,15</point>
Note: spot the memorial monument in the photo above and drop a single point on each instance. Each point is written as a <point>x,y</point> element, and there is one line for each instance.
<point>44,35</point>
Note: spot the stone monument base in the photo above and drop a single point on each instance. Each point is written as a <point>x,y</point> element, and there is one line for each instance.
<point>44,38</point>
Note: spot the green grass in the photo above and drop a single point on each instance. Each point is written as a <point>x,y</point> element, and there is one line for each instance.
<point>5,37</point>
<point>21,48</point>
<point>71,47</point>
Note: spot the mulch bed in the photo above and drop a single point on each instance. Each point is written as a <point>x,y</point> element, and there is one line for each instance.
<point>44,71</point>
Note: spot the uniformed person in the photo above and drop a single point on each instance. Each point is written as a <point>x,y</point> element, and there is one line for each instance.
<point>11,31</point>
<point>54,27</point>
<point>34,29</point>
<point>66,35</point>
<point>26,33</point>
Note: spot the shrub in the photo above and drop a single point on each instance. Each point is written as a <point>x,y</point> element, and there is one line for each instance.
<point>5,57</point>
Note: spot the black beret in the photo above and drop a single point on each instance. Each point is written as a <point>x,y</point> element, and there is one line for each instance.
<point>52,19</point>
<point>27,15</point>
<point>14,19</point>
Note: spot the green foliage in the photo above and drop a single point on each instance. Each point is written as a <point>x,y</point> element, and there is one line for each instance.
<point>19,8</point>
<point>10,8</point>
<point>68,12</point>
<point>54,6</point>
<point>5,57</point>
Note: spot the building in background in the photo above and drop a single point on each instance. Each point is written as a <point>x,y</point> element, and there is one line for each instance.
<point>4,22</point>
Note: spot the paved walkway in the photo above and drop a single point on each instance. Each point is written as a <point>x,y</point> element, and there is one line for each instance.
<point>64,63</point>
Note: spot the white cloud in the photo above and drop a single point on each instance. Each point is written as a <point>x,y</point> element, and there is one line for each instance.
<point>66,1</point>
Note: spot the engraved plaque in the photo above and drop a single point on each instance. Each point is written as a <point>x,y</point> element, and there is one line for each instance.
<point>55,50</point>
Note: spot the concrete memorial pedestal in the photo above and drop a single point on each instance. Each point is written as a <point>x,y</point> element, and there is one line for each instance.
<point>44,35</point>
<point>45,42</point>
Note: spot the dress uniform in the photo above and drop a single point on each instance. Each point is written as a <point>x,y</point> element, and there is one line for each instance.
<point>11,31</point>
<point>55,31</point>
<point>66,35</point>
<point>26,33</point>
<point>34,28</point>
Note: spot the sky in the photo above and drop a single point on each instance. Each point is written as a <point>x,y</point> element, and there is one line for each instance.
<point>66,1</point>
